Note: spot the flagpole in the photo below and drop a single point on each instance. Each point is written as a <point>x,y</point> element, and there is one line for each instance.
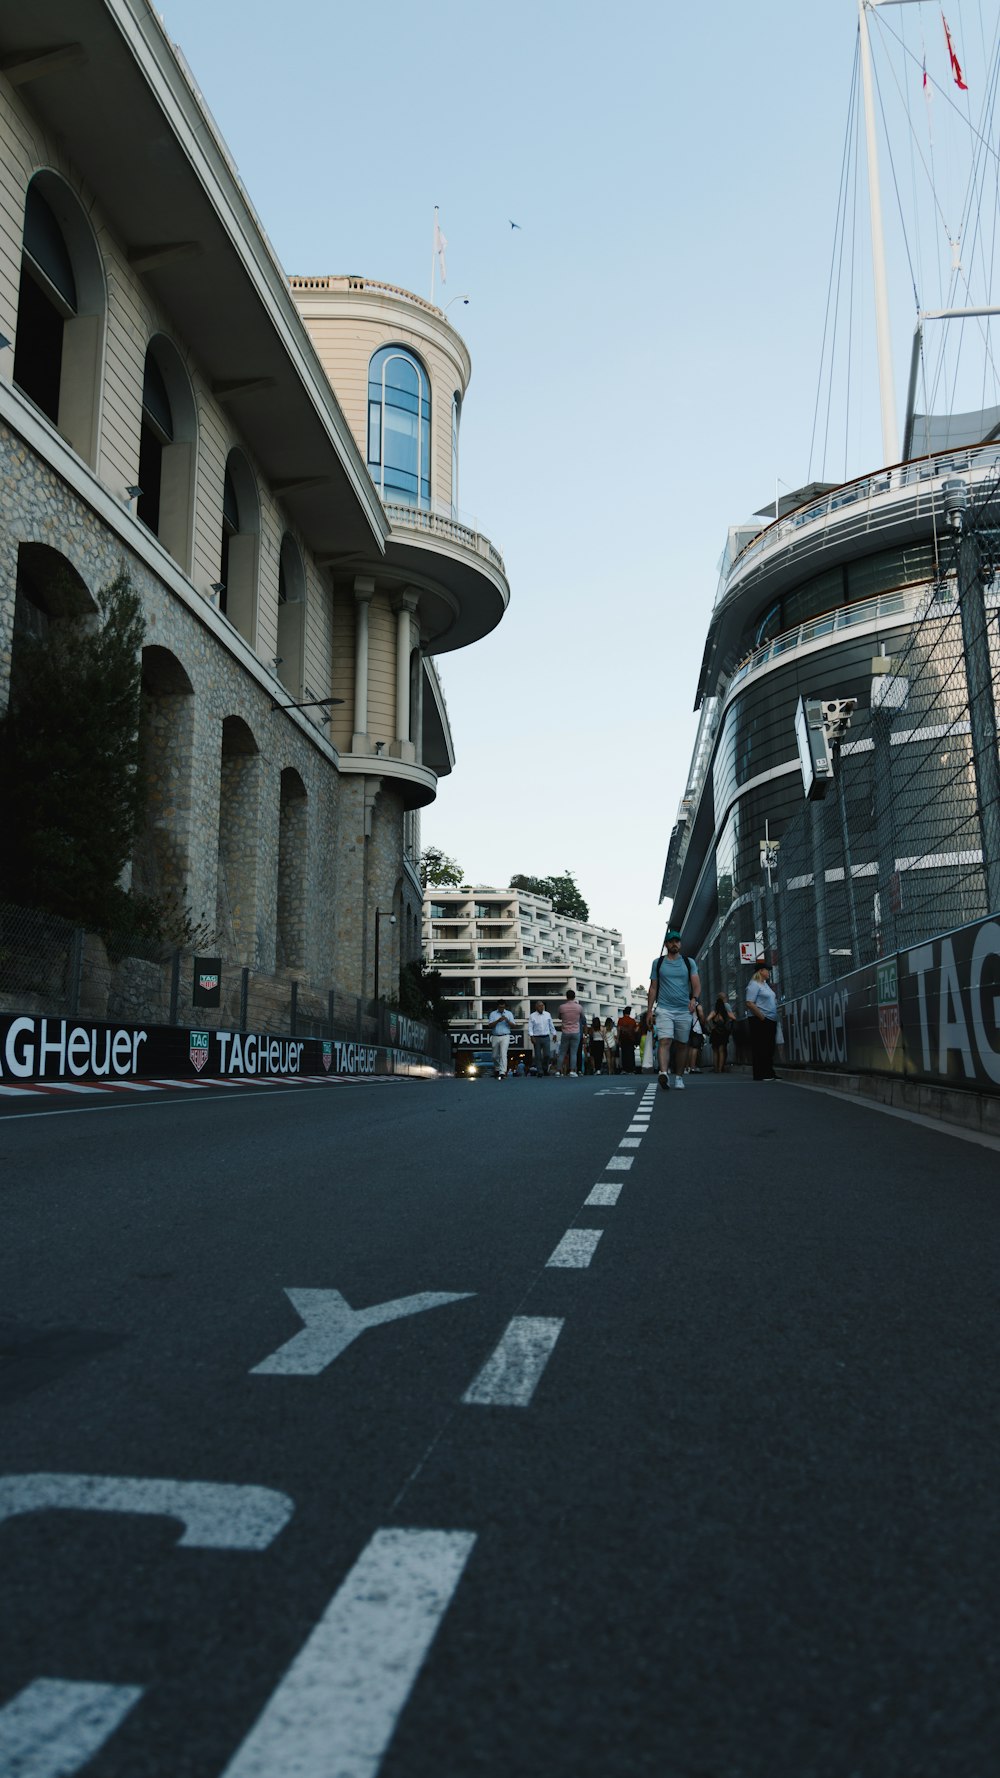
<point>890,435</point>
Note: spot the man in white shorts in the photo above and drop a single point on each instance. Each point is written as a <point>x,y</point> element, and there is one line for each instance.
<point>674,988</point>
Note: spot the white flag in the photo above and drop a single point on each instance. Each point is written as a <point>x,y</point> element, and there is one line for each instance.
<point>440,244</point>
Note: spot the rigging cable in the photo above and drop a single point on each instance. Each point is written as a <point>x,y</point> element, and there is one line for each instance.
<point>837,234</point>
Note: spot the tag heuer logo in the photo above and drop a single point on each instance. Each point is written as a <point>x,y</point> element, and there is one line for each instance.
<point>888,1006</point>
<point>198,1049</point>
<point>327,1056</point>
<point>208,981</point>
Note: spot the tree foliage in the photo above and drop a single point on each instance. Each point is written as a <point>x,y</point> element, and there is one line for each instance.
<point>421,993</point>
<point>438,870</point>
<point>563,892</point>
<point>71,792</point>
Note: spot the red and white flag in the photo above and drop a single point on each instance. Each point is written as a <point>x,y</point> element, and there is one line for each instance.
<point>956,66</point>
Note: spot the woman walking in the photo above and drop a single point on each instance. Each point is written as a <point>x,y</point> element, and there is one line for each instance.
<point>611,1046</point>
<point>597,1044</point>
<point>720,1028</point>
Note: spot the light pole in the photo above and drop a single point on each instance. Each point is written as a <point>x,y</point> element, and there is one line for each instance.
<point>380,915</point>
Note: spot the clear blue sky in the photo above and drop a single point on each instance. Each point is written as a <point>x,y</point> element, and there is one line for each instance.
<point>645,347</point>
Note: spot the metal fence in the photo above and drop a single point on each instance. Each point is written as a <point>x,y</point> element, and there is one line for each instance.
<point>906,842</point>
<point>50,967</point>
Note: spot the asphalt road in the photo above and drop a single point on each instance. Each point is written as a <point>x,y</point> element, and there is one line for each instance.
<point>713,1496</point>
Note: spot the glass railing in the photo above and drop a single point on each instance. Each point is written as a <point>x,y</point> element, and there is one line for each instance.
<point>866,499</point>
<point>903,602</point>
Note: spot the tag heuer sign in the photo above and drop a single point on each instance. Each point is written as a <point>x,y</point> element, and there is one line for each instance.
<point>198,1049</point>
<point>888,1006</point>
<point>207,990</point>
<point>327,1056</point>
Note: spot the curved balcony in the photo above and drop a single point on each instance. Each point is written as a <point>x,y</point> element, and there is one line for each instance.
<point>461,574</point>
<point>884,611</point>
<point>871,504</point>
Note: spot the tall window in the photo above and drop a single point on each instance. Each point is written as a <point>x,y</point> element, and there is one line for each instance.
<point>456,417</point>
<point>399,427</point>
<point>156,431</point>
<point>60,313</point>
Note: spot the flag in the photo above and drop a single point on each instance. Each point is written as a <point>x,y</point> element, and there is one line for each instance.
<point>956,66</point>
<point>440,244</point>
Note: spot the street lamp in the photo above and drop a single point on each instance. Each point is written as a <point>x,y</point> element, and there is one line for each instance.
<point>380,915</point>
<point>455,299</point>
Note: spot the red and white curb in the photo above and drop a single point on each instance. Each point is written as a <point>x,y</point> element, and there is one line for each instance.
<point>46,1088</point>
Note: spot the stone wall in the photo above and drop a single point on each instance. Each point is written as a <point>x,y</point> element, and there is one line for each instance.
<point>196,692</point>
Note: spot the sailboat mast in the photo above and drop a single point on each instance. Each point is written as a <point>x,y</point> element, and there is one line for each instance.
<point>887,392</point>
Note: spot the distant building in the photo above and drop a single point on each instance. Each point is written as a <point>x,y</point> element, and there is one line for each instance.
<point>489,943</point>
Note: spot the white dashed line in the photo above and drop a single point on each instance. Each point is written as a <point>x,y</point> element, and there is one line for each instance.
<point>512,1372</point>
<point>630,1142</point>
<point>620,1163</point>
<point>338,1704</point>
<point>605,1193</point>
<point>577,1248</point>
<point>55,1726</point>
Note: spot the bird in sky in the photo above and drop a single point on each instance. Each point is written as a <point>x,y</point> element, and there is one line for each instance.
<point>513,224</point>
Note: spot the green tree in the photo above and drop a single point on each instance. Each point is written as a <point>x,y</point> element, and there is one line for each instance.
<point>438,870</point>
<point>563,892</point>
<point>421,993</point>
<point>71,793</point>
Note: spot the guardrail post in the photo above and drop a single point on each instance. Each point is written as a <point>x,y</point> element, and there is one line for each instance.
<point>293,1011</point>
<point>175,984</point>
<point>330,1010</point>
<point>244,996</point>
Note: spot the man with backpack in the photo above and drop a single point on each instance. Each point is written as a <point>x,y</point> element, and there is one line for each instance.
<point>674,988</point>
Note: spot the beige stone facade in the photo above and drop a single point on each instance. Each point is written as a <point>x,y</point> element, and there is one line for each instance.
<point>152,338</point>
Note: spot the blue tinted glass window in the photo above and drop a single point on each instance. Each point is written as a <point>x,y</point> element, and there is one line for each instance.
<point>399,427</point>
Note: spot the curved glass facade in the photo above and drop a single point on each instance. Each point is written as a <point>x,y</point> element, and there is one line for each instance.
<point>847,584</point>
<point>399,426</point>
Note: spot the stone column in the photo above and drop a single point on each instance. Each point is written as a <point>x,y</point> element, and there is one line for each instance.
<point>405,609</point>
<point>364,592</point>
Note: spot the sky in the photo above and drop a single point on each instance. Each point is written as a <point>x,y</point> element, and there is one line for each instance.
<point>646,345</point>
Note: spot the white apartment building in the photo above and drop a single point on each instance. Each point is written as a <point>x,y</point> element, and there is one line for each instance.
<point>489,943</point>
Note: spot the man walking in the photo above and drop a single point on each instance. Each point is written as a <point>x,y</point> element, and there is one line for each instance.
<point>674,988</point>
<point>501,1025</point>
<point>571,1020</point>
<point>628,1037</point>
<point>541,1030</point>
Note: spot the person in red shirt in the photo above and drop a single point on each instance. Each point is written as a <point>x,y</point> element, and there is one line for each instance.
<point>571,1020</point>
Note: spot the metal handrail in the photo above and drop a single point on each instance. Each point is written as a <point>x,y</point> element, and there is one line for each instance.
<point>903,601</point>
<point>911,477</point>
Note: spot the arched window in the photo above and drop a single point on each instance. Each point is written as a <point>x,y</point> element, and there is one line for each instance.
<point>291,616</point>
<point>60,313</point>
<point>166,450</point>
<point>238,556</point>
<point>456,420</point>
<point>399,427</point>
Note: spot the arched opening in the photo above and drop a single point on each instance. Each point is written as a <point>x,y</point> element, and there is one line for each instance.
<point>456,424</point>
<point>292,875</point>
<point>239,554</point>
<point>161,864</point>
<point>399,427</point>
<point>60,313</point>
<point>48,590</point>
<point>291,617</point>
<point>239,841</point>
<point>167,436</point>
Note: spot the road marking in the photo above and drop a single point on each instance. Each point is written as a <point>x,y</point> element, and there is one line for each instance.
<point>577,1248</point>
<point>630,1142</point>
<point>337,1707</point>
<point>620,1163</point>
<point>605,1193</point>
<point>639,1128</point>
<point>616,1092</point>
<point>513,1370</point>
<point>215,1515</point>
<point>332,1325</point>
<point>53,1727</point>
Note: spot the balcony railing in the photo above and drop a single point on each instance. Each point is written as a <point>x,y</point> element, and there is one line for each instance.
<point>904,602</point>
<point>436,524</point>
<point>868,503</point>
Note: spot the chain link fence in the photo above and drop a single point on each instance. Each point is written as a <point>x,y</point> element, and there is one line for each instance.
<point>906,842</point>
<point>51,968</point>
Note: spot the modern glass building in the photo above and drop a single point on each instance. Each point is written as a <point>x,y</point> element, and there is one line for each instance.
<point>847,592</point>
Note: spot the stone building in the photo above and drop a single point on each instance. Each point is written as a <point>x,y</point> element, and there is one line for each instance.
<point>163,406</point>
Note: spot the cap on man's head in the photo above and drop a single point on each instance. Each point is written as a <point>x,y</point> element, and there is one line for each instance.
<point>672,932</point>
